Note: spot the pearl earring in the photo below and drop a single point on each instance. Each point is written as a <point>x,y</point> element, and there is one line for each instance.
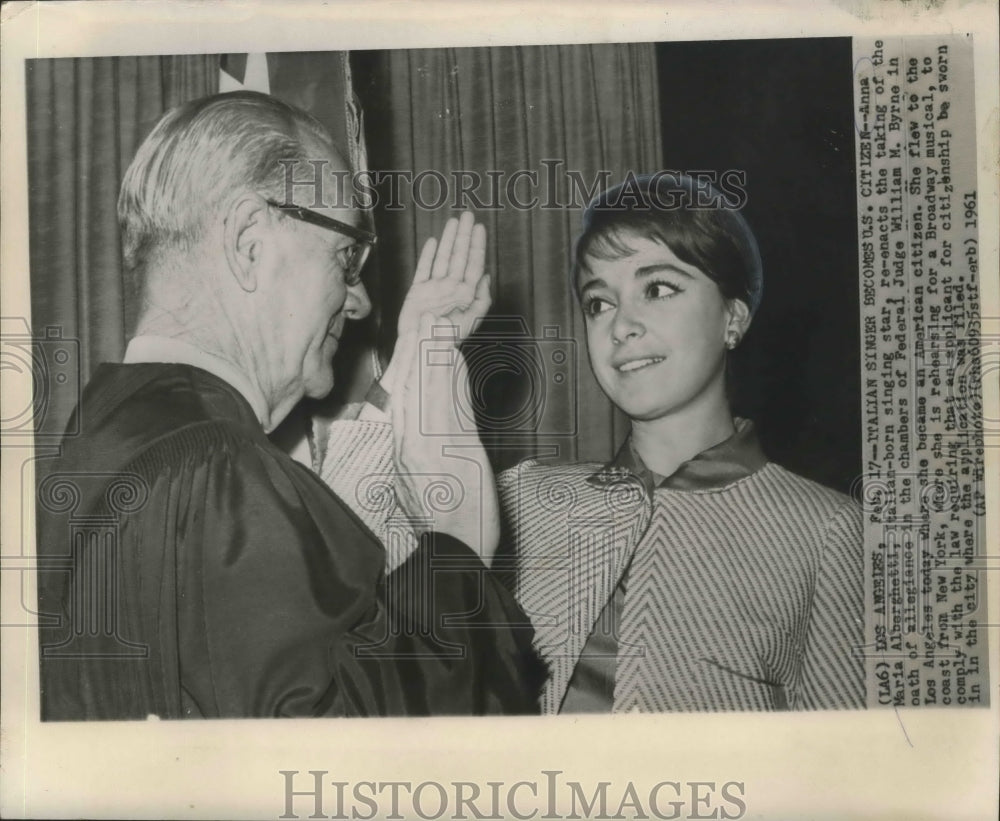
<point>732,339</point>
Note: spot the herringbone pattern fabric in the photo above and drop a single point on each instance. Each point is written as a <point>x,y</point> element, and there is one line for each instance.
<point>747,596</point>
<point>358,465</point>
<point>744,597</point>
<point>573,541</point>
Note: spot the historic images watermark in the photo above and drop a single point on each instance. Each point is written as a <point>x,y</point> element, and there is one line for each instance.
<point>315,184</point>
<point>48,366</point>
<point>314,794</point>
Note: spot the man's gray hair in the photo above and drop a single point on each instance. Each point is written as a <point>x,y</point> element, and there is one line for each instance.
<point>201,156</point>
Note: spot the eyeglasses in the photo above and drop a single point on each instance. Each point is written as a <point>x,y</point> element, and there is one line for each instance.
<point>350,258</point>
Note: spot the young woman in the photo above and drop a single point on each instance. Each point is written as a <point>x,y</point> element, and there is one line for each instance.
<point>689,573</point>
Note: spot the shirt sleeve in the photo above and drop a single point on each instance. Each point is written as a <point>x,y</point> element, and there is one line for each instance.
<point>833,664</point>
<point>283,608</point>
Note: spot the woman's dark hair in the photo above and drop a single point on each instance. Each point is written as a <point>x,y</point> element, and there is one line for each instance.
<point>687,215</point>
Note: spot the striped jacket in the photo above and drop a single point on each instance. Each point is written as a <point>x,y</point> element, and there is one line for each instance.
<point>745,588</point>
<point>755,574</point>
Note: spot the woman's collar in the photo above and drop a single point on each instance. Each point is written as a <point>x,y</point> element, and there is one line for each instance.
<point>729,461</point>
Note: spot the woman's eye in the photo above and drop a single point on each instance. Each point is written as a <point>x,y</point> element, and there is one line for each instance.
<point>595,305</point>
<point>661,290</point>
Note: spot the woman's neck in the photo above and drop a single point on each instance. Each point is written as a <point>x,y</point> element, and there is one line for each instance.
<point>664,444</point>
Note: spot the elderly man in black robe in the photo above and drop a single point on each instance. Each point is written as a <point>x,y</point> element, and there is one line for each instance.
<point>238,583</point>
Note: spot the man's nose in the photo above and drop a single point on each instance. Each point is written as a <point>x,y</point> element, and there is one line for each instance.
<point>357,305</point>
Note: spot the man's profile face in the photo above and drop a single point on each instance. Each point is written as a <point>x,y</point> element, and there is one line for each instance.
<point>311,299</point>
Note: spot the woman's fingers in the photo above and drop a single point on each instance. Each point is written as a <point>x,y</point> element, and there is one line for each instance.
<point>423,272</point>
<point>460,251</point>
<point>480,303</point>
<point>448,277</point>
<point>443,258</point>
<point>476,260</point>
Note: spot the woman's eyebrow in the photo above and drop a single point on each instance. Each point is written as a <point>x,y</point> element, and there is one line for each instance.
<point>646,270</point>
<point>595,282</point>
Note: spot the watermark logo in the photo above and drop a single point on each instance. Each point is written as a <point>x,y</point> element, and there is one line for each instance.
<point>80,519</point>
<point>549,187</point>
<point>47,365</point>
<point>546,797</point>
<point>505,380</point>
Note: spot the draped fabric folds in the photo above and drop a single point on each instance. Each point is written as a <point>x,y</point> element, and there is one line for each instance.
<point>86,118</point>
<point>547,111</point>
<point>233,583</point>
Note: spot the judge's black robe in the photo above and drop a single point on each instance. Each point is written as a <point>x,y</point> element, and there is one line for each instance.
<point>189,568</point>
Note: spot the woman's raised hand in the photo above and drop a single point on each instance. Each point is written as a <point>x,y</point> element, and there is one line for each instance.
<point>449,283</point>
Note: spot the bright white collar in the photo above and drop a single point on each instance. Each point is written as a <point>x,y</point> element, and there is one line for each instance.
<point>178,352</point>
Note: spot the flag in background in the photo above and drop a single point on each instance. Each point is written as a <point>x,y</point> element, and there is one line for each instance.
<point>244,71</point>
<point>317,81</point>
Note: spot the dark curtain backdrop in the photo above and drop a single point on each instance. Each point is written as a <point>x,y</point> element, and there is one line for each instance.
<point>592,107</point>
<point>86,118</point>
<point>782,111</point>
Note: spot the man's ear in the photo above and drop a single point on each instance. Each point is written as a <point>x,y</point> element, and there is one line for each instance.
<point>739,318</point>
<point>243,237</point>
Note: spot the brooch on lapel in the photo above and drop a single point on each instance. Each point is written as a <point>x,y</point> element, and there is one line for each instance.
<point>612,475</point>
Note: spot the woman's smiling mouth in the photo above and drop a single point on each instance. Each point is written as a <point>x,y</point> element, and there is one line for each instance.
<point>638,364</point>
